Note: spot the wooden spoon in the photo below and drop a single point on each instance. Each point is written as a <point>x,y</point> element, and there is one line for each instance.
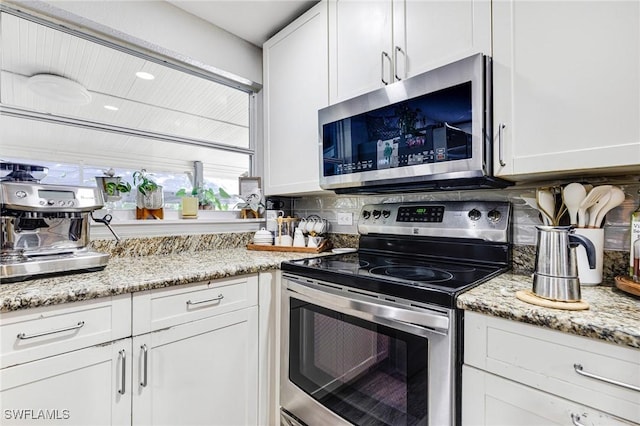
<point>572,196</point>
<point>546,204</point>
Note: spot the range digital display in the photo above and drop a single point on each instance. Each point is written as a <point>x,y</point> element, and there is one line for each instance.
<point>420,214</point>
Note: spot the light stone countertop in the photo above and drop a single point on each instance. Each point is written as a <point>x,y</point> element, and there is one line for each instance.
<point>613,316</point>
<point>131,274</point>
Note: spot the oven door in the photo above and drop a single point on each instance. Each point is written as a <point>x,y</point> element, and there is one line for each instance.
<point>352,358</point>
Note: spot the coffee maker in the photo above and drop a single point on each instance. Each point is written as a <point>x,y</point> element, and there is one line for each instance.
<point>45,228</point>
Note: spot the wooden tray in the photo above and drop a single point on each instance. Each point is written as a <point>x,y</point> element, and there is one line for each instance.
<point>326,245</point>
<point>627,285</point>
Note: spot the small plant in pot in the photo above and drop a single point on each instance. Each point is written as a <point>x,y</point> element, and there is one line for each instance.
<point>112,186</point>
<point>208,199</point>
<point>150,198</point>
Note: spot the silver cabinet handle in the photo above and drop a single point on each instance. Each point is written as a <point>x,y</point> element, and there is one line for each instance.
<point>145,367</point>
<point>575,419</point>
<point>23,336</point>
<point>501,127</point>
<point>578,369</point>
<point>384,55</point>
<point>215,299</point>
<point>395,61</point>
<point>122,356</point>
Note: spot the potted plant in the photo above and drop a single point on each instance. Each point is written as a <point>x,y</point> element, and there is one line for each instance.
<point>112,186</point>
<point>252,206</point>
<point>208,199</point>
<point>150,198</point>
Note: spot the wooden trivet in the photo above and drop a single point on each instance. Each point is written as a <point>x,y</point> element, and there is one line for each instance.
<point>627,285</point>
<point>530,297</point>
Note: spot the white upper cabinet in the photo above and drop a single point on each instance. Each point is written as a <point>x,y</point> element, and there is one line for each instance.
<point>566,86</point>
<point>296,87</point>
<point>374,43</point>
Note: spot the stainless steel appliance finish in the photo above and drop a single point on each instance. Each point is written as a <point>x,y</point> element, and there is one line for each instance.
<point>428,132</point>
<point>374,337</point>
<point>45,229</point>
<point>556,274</point>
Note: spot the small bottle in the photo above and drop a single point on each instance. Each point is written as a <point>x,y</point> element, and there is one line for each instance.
<point>636,261</point>
<point>634,253</point>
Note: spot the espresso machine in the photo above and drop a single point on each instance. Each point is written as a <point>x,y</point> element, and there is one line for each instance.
<point>45,228</point>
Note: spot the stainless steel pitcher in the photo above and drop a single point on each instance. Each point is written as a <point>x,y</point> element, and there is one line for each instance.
<point>556,274</point>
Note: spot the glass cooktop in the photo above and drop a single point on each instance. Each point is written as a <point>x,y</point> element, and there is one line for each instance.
<point>428,280</point>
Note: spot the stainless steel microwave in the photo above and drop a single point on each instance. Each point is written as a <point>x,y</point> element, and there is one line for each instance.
<point>429,132</point>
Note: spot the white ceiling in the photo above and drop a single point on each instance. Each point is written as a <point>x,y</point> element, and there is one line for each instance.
<point>252,20</point>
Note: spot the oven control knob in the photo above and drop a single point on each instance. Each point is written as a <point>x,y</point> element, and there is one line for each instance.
<point>475,214</point>
<point>366,214</point>
<point>376,214</point>
<point>494,216</point>
<point>21,194</point>
<point>51,202</point>
<point>386,213</point>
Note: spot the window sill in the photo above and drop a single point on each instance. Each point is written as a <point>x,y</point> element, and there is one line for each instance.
<point>208,222</point>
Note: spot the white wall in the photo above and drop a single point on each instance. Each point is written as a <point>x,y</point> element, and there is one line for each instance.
<point>164,28</point>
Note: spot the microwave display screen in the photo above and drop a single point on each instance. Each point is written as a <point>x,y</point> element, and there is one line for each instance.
<point>435,127</point>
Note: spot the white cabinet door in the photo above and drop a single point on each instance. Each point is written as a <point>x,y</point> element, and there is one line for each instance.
<point>491,400</point>
<point>85,387</point>
<point>360,46</point>
<point>203,372</point>
<point>431,33</point>
<point>296,87</point>
<point>566,85</point>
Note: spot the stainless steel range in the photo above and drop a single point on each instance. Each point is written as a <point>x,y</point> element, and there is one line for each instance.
<point>45,228</point>
<point>373,337</point>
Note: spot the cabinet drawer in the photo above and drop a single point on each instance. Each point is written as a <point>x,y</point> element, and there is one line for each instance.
<point>548,360</point>
<point>166,307</point>
<point>492,400</point>
<point>41,332</point>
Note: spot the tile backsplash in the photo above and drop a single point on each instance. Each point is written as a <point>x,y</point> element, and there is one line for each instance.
<point>525,218</point>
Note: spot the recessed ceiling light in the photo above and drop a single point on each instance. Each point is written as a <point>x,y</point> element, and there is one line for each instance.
<point>111,107</point>
<point>145,75</point>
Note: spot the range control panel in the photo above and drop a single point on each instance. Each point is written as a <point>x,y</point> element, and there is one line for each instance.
<point>487,220</point>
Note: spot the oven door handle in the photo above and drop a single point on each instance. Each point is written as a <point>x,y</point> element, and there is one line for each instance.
<point>414,321</point>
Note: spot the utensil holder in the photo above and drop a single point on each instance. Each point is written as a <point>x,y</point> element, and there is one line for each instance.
<point>590,276</point>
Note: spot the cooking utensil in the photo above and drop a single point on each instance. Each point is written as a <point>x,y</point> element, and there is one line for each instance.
<point>531,202</point>
<point>546,204</point>
<point>595,209</point>
<point>572,196</point>
<point>592,197</point>
<point>617,198</point>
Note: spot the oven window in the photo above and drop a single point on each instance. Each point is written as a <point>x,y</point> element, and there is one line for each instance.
<point>365,372</point>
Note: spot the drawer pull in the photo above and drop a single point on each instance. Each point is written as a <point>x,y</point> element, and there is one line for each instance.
<point>578,369</point>
<point>122,355</point>
<point>215,299</point>
<point>145,368</point>
<point>23,336</point>
<point>575,419</point>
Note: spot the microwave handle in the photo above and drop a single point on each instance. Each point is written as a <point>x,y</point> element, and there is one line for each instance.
<point>421,323</point>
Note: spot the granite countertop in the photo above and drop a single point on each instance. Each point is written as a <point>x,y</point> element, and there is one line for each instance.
<point>131,274</point>
<point>613,316</point>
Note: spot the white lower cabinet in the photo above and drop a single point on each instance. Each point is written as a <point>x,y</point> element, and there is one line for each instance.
<point>199,373</point>
<point>183,355</point>
<point>492,400</point>
<point>67,364</point>
<point>519,374</point>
